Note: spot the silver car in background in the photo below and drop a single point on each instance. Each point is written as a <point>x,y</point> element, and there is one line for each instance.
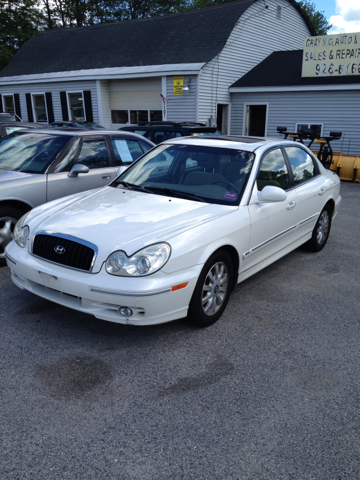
<point>37,166</point>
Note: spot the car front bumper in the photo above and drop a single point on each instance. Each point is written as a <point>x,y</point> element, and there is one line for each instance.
<point>152,299</point>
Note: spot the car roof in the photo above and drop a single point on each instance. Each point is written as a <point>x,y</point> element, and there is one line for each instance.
<point>11,123</point>
<point>72,132</point>
<point>249,144</point>
<point>167,126</point>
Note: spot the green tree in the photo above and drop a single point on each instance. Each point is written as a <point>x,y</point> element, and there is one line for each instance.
<point>19,20</point>
<point>317,18</point>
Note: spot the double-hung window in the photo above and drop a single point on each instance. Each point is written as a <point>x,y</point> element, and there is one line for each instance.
<point>8,104</point>
<point>76,107</point>
<point>39,107</point>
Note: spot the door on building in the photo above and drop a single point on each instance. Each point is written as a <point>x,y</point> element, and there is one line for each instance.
<point>255,121</point>
<point>222,118</point>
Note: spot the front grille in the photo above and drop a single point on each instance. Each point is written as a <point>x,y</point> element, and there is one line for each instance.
<point>75,255</point>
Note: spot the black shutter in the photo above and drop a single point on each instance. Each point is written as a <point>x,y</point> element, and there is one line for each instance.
<point>17,107</point>
<point>88,106</point>
<point>29,107</point>
<point>1,107</point>
<point>49,107</point>
<point>64,107</point>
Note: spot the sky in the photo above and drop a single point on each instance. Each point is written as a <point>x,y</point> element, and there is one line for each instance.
<point>344,15</point>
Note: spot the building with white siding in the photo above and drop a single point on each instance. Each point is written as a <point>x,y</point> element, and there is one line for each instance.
<point>121,73</point>
<point>274,93</point>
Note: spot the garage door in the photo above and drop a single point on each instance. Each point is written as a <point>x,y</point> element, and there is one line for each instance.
<point>135,100</point>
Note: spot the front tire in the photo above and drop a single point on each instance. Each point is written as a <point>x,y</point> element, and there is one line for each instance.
<point>8,217</point>
<point>212,290</point>
<point>321,230</point>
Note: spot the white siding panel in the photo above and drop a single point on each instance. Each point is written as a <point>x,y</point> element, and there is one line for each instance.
<point>181,108</point>
<point>105,102</point>
<point>338,111</point>
<point>55,89</point>
<point>257,34</point>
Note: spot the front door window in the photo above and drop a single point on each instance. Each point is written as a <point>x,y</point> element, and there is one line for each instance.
<point>94,154</point>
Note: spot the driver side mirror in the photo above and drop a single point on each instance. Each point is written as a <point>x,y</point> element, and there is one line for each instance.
<point>271,194</point>
<point>76,169</point>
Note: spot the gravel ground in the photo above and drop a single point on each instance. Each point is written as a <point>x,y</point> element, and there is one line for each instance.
<point>270,392</point>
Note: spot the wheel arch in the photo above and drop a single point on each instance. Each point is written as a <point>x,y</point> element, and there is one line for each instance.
<point>331,204</point>
<point>232,252</point>
<point>24,207</point>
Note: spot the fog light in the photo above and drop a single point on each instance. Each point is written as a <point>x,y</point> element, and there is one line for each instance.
<point>125,311</point>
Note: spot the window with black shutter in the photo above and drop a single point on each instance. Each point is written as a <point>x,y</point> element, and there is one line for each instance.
<point>29,107</point>
<point>49,107</point>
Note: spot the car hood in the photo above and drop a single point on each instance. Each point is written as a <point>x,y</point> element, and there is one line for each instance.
<point>120,219</point>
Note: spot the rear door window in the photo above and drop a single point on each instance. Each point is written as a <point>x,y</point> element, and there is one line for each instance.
<point>126,151</point>
<point>302,165</point>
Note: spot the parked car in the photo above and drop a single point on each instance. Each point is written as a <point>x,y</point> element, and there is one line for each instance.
<point>9,127</point>
<point>174,233</point>
<point>92,125</point>
<point>70,124</point>
<point>158,132</point>
<point>66,124</point>
<point>37,166</point>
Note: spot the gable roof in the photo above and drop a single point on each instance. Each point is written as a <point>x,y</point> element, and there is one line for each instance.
<point>191,37</point>
<point>283,69</point>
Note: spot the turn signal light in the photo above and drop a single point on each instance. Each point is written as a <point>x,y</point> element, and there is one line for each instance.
<point>179,287</point>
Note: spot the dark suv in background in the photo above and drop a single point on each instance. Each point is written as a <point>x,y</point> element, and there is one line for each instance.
<point>158,132</point>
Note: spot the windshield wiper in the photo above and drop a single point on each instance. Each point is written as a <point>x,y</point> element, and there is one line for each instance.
<point>170,191</point>
<point>131,186</point>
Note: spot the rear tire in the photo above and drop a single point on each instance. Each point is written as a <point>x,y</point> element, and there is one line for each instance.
<point>321,231</point>
<point>212,290</point>
<point>8,217</point>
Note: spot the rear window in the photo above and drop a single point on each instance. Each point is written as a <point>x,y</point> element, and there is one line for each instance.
<point>161,136</point>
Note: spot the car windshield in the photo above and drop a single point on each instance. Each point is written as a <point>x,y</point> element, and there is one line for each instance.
<point>208,174</point>
<point>29,152</point>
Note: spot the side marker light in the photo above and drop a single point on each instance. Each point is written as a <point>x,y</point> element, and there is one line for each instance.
<point>179,287</point>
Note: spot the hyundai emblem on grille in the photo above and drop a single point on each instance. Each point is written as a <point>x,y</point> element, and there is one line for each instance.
<point>59,249</point>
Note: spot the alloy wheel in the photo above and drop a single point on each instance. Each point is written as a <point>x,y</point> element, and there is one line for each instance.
<point>215,288</point>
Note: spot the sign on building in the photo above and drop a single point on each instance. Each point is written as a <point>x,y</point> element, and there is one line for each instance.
<point>331,55</point>
<point>178,85</point>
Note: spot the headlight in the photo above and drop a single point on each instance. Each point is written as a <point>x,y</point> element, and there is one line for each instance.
<point>145,262</point>
<point>21,234</point>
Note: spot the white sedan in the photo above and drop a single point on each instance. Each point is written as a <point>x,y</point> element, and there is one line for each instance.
<point>172,235</point>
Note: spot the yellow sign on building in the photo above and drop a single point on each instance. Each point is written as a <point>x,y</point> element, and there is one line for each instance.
<point>331,55</point>
<point>178,85</point>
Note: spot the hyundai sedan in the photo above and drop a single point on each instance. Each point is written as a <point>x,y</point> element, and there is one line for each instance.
<point>172,235</point>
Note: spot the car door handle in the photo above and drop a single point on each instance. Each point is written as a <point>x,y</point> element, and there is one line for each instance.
<point>290,205</point>
<point>106,177</point>
<point>321,191</point>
